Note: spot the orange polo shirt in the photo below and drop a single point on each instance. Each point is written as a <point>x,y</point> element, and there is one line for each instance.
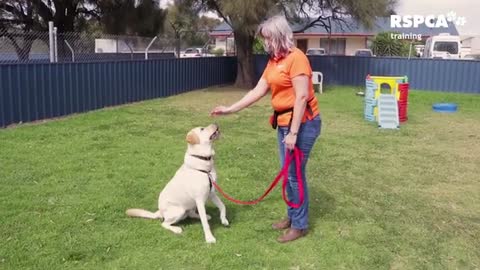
<point>279,73</point>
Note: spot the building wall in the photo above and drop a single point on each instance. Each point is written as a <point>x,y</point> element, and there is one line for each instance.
<point>471,44</point>
<point>220,42</point>
<point>312,42</point>
<point>353,44</point>
<point>226,44</point>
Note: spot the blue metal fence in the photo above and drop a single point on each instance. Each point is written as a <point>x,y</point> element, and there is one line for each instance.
<point>30,92</point>
<point>423,74</point>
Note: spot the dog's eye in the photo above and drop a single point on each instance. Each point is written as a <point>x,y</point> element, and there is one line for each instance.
<point>201,129</point>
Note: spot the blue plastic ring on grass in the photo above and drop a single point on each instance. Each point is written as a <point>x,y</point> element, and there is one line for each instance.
<point>445,107</point>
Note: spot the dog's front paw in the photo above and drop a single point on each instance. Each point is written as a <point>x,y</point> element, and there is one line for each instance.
<point>225,222</point>
<point>176,230</point>
<point>210,239</point>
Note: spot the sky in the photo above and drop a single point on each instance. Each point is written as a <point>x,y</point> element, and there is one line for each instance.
<point>470,9</point>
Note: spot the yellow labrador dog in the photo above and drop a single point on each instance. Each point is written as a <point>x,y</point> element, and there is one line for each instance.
<point>191,186</point>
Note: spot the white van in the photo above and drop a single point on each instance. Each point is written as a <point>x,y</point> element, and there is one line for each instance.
<point>316,51</point>
<point>443,46</point>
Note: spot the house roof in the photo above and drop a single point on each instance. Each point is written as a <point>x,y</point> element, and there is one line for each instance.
<point>353,28</point>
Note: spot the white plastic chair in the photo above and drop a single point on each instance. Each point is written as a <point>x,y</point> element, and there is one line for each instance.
<point>317,79</point>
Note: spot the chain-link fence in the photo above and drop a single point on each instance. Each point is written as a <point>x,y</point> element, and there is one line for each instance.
<point>81,47</point>
<point>18,46</point>
<point>28,47</point>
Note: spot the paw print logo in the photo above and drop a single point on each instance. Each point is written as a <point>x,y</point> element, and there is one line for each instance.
<point>451,16</point>
<point>461,21</point>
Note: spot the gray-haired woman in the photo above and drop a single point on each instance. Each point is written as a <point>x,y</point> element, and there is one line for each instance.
<point>296,115</point>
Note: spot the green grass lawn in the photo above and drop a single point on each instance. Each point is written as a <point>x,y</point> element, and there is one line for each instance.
<point>380,199</point>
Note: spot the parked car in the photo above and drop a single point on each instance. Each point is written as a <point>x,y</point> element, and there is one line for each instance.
<point>316,51</point>
<point>444,46</point>
<point>364,52</point>
<point>194,52</point>
<point>191,52</point>
<point>472,57</point>
<point>419,50</point>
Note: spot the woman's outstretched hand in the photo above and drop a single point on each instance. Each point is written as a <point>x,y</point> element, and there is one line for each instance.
<point>220,110</point>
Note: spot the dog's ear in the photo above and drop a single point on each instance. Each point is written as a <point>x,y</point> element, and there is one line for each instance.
<point>192,138</point>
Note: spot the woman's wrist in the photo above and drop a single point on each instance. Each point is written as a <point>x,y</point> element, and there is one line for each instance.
<point>230,109</point>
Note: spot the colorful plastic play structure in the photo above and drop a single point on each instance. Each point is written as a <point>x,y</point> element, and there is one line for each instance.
<point>386,100</point>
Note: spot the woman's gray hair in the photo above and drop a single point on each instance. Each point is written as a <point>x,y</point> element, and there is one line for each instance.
<point>277,36</point>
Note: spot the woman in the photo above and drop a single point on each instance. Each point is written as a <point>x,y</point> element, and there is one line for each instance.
<point>296,116</point>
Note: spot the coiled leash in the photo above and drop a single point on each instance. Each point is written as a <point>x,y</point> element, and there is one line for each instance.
<point>298,156</point>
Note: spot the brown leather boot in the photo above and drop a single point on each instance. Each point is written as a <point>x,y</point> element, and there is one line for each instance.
<point>291,234</point>
<point>282,224</point>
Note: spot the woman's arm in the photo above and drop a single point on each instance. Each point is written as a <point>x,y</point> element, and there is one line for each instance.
<point>260,90</point>
<point>300,85</point>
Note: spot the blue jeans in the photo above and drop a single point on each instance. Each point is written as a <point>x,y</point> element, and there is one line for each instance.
<point>306,137</point>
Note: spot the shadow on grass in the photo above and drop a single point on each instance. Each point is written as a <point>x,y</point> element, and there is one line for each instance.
<point>321,204</point>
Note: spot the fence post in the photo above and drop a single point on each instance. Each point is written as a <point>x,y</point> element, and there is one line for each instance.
<point>71,49</point>
<point>410,50</point>
<point>50,42</point>
<point>55,43</point>
<point>131,50</point>
<point>148,47</point>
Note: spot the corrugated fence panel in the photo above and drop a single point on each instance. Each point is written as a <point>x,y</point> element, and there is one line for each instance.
<point>424,74</point>
<point>30,92</point>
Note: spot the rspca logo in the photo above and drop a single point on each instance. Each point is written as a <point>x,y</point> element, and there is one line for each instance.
<point>431,21</point>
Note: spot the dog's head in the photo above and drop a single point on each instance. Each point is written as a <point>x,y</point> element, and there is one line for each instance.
<point>203,135</point>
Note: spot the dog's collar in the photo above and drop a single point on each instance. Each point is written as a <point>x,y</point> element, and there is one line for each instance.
<point>202,157</point>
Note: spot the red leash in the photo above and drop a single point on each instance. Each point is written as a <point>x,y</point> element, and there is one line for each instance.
<point>298,155</point>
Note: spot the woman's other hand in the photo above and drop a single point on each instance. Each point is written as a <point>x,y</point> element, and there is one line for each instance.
<point>290,141</point>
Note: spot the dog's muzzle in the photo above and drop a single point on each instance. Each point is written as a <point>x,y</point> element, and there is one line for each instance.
<point>215,134</point>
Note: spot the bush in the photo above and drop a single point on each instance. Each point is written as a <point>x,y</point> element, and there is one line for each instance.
<point>258,47</point>
<point>218,52</point>
<point>384,45</point>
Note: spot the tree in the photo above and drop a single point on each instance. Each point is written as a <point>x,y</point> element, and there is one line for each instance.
<point>133,17</point>
<point>385,45</point>
<point>258,47</point>
<point>245,16</point>
<point>183,23</point>
<point>179,22</point>
<point>34,15</point>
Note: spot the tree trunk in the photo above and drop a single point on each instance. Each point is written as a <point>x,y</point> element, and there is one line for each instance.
<point>245,67</point>
<point>22,49</point>
<point>178,44</point>
<point>24,52</point>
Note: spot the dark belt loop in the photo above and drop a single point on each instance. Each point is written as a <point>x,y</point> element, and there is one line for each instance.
<point>274,120</point>
<point>289,125</point>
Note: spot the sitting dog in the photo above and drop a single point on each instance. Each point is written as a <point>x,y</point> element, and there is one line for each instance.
<point>191,186</point>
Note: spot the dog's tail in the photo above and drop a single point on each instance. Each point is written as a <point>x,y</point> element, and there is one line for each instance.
<point>143,213</point>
